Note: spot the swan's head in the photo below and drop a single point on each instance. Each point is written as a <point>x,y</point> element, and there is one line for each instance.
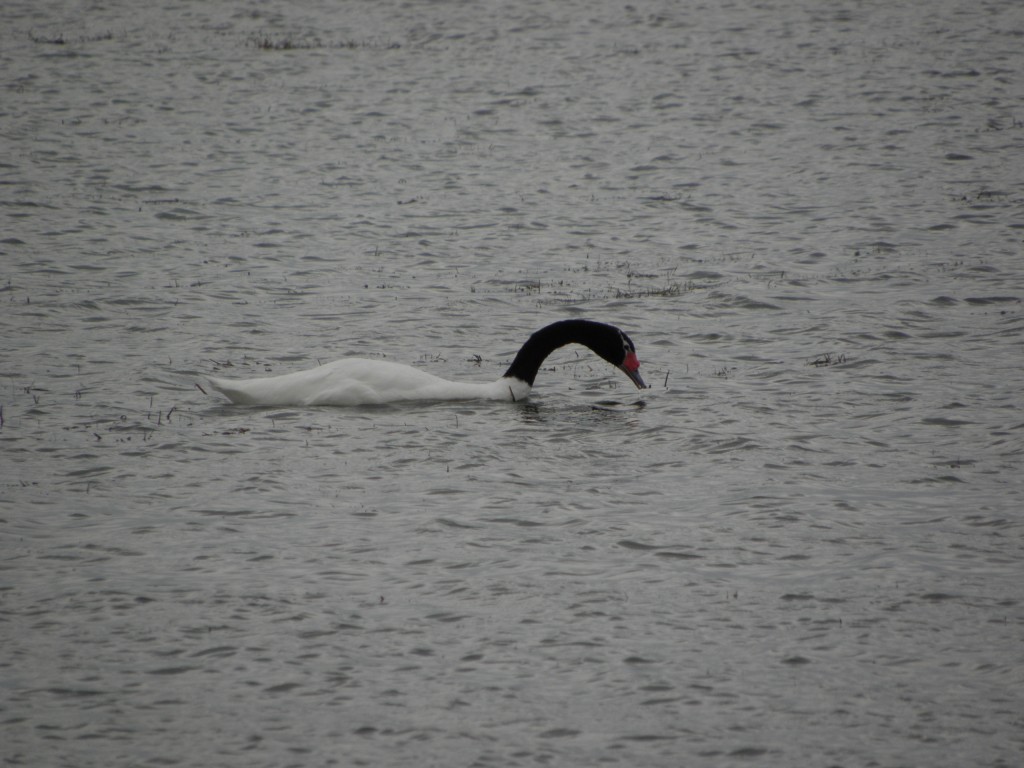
<point>630,365</point>
<point>618,349</point>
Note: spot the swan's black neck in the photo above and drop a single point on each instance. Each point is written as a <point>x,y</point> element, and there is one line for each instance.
<point>606,340</point>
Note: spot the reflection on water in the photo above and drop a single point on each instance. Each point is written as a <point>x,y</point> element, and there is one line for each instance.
<point>801,544</point>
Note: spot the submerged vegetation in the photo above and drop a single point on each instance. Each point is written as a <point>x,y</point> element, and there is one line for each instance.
<point>267,42</point>
<point>672,289</point>
<point>262,40</point>
<point>60,39</point>
<point>639,285</point>
<point>827,359</point>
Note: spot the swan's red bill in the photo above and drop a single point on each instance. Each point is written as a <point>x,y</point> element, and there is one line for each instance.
<point>631,367</point>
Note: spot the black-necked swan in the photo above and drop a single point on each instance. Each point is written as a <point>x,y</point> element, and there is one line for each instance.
<point>355,381</point>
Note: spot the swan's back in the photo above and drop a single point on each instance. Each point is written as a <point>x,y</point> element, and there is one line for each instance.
<point>352,381</point>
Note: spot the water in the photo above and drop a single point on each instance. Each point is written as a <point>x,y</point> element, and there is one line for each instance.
<point>801,547</point>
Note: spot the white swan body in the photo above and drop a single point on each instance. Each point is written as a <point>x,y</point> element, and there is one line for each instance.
<point>356,381</point>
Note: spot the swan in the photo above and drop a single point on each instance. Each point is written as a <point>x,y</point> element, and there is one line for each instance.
<point>356,381</point>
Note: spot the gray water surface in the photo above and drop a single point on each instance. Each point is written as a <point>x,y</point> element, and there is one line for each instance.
<point>801,547</point>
